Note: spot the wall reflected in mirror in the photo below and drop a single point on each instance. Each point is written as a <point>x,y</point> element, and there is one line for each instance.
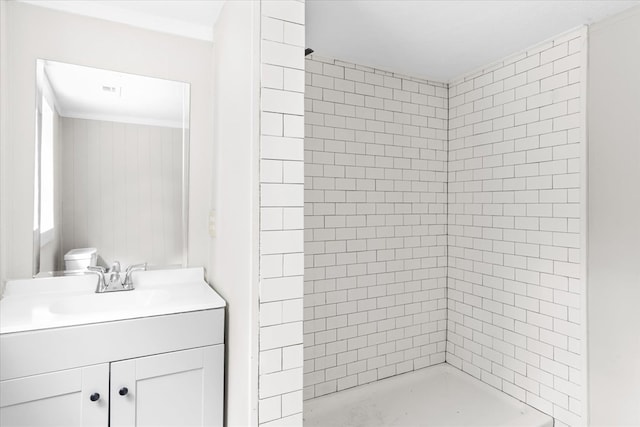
<point>111,167</point>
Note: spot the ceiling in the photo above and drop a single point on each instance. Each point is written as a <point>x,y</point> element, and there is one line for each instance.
<point>441,40</point>
<point>192,18</point>
<point>92,93</point>
<point>438,40</point>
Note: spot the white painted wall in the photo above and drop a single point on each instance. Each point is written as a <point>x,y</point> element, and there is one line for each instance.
<point>121,191</point>
<point>235,246</point>
<point>614,221</point>
<point>4,104</point>
<point>34,32</point>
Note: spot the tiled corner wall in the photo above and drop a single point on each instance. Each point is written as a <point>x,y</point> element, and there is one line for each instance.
<point>375,155</point>
<point>375,225</point>
<point>516,138</point>
<point>281,212</point>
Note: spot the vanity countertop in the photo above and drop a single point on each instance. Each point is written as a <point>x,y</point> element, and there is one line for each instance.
<point>56,302</point>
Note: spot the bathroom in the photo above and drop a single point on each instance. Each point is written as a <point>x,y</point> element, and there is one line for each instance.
<point>464,216</point>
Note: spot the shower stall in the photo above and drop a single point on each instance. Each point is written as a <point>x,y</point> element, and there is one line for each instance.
<point>444,230</point>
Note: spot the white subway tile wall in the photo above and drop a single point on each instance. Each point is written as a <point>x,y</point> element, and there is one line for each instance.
<point>514,217</point>
<point>281,212</point>
<point>375,153</point>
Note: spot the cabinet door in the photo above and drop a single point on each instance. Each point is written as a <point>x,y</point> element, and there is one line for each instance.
<point>182,388</point>
<point>74,397</point>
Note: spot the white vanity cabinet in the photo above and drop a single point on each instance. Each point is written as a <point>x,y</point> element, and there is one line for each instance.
<point>181,388</point>
<point>160,364</point>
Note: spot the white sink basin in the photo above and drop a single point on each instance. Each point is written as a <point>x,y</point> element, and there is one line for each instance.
<point>57,323</point>
<point>54,302</point>
<point>110,301</point>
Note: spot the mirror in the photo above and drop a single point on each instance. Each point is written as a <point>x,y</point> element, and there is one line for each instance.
<point>111,171</point>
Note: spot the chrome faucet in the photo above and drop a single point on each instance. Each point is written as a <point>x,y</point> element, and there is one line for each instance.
<point>114,273</point>
<point>110,284</point>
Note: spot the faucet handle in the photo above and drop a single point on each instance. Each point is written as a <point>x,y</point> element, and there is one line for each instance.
<point>100,271</point>
<point>128,281</point>
<point>135,267</point>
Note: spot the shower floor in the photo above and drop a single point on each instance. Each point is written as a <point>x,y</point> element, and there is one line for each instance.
<point>440,395</point>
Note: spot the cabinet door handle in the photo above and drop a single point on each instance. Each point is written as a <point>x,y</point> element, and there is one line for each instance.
<point>123,391</point>
<point>94,397</point>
